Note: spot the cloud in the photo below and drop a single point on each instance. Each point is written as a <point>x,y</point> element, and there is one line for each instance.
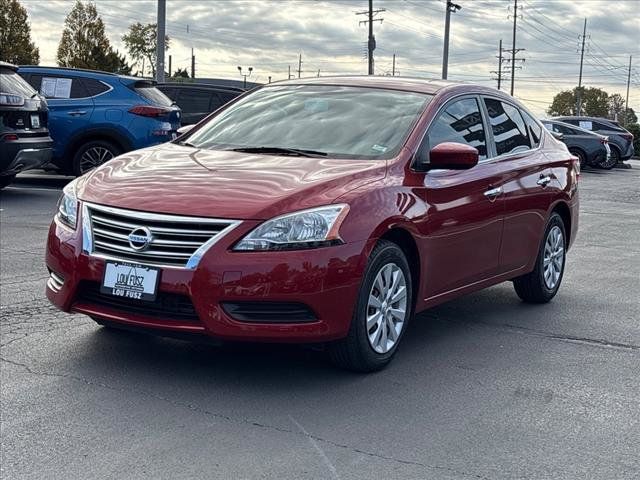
<point>270,34</point>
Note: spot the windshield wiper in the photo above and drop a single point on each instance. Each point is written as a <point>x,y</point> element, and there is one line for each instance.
<point>187,144</point>
<point>281,151</point>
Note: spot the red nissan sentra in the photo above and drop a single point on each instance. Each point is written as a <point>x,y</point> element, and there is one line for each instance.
<point>321,210</point>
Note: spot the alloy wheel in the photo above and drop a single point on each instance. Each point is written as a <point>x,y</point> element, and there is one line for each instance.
<point>386,308</point>
<point>553,262</point>
<point>94,157</point>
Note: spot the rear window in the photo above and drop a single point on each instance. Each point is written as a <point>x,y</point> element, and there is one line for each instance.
<point>148,91</point>
<point>14,84</point>
<point>509,129</point>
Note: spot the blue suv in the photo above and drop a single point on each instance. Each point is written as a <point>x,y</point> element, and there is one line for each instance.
<point>95,116</point>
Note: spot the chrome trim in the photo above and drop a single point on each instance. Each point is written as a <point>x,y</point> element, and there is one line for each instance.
<point>494,192</point>
<point>93,223</point>
<point>55,282</point>
<point>543,181</point>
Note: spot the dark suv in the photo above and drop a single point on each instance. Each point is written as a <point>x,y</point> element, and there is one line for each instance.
<point>24,138</point>
<point>197,100</point>
<point>620,140</point>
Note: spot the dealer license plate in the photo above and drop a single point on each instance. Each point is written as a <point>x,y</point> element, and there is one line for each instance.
<point>35,120</point>
<point>130,280</point>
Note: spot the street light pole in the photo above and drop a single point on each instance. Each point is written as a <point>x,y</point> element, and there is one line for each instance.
<point>245,75</point>
<point>162,10</point>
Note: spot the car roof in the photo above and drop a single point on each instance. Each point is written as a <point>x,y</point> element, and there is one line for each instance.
<point>202,86</point>
<point>582,117</point>
<point>10,66</point>
<point>573,127</point>
<point>83,72</point>
<point>412,84</point>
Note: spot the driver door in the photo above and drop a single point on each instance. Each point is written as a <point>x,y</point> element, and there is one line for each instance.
<point>465,210</point>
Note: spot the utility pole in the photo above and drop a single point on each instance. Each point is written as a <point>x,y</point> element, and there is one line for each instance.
<point>169,65</point>
<point>193,64</point>
<point>318,73</point>
<point>289,74</point>
<point>371,43</point>
<point>162,11</point>
<point>626,103</point>
<point>269,78</point>
<point>513,46</point>
<point>393,68</point>
<point>299,65</point>
<point>579,91</point>
<point>451,7</point>
<point>500,61</point>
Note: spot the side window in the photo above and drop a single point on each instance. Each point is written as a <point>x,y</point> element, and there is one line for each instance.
<point>94,87</point>
<point>461,122</point>
<point>216,103</point>
<point>62,87</point>
<point>509,130</point>
<point>35,81</point>
<point>194,101</point>
<point>533,129</point>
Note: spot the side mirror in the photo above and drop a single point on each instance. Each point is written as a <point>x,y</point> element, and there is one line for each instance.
<point>557,135</point>
<point>453,156</point>
<point>184,129</point>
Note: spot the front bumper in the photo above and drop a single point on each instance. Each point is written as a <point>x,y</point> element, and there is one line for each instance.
<point>326,280</point>
<point>24,154</point>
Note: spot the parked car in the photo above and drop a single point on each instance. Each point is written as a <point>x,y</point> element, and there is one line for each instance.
<point>24,139</point>
<point>197,100</point>
<point>620,140</point>
<point>95,116</point>
<point>591,148</point>
<point>320,210</point>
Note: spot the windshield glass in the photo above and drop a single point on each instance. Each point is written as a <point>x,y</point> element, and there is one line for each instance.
<point>343,122</point>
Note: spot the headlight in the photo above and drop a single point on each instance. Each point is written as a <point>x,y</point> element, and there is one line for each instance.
<point>317,227</point>
<point>68,206</point>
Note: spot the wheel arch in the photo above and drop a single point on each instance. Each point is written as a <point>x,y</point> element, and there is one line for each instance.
<point>405,241</point>
<point>105,134</point>
<point>565,213</point>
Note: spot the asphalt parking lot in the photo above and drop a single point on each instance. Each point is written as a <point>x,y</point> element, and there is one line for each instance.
<point>484,387</point>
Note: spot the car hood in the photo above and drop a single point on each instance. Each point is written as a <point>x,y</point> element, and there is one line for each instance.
<point>176,179</point>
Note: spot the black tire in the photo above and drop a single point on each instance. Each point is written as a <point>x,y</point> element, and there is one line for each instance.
<point>581,156</point>
<point>354,352</point>
<point>532,288</point>
<point>6,180</point>
<point>100,150</point>
<point>609,163</point>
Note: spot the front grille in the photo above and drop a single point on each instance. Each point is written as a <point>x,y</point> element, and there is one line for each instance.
<point>168,306</point>
<point>269,312</point>
<point>176,241</point>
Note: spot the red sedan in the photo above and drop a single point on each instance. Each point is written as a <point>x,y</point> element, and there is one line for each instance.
<point>321,210</point>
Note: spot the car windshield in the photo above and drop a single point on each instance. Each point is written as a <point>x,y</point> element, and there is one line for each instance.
<point>11,82</point>
<point>333,121</point>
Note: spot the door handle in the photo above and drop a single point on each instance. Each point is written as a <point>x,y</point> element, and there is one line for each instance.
<point>544,180</point>
<point>77,113</point>
<point>493,192</point>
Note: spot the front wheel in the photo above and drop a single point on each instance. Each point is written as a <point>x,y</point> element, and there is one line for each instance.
<point>609,163</point>
<point>382,312</point>
<point>542,284</point>
<point>93,154</point>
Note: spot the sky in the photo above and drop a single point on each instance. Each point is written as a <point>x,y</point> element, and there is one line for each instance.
<point>269,35</point>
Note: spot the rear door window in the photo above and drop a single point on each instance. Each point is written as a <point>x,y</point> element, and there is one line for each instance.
<point>194,100</point>
<point>509,129</point>
<point>95,87</point>
<point>460,122</point>
<point>57,86</point>
<point>533,129</point>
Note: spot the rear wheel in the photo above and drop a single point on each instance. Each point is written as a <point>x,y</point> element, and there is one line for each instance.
<point>542,284</point>
<point>581,156</point>
<point>93,154</point>
<point>609,163</point>
<point>382,312</point>
<point>6,180</point>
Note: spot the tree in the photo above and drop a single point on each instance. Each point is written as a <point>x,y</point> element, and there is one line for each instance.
<point>117,63</point>
<point>141,42</point>
<point>180,73</point>
<point>84,43</point>
<point>594,102</point>
<point>15,35</point>
<point>631,118</point>
<point>616,107</point>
